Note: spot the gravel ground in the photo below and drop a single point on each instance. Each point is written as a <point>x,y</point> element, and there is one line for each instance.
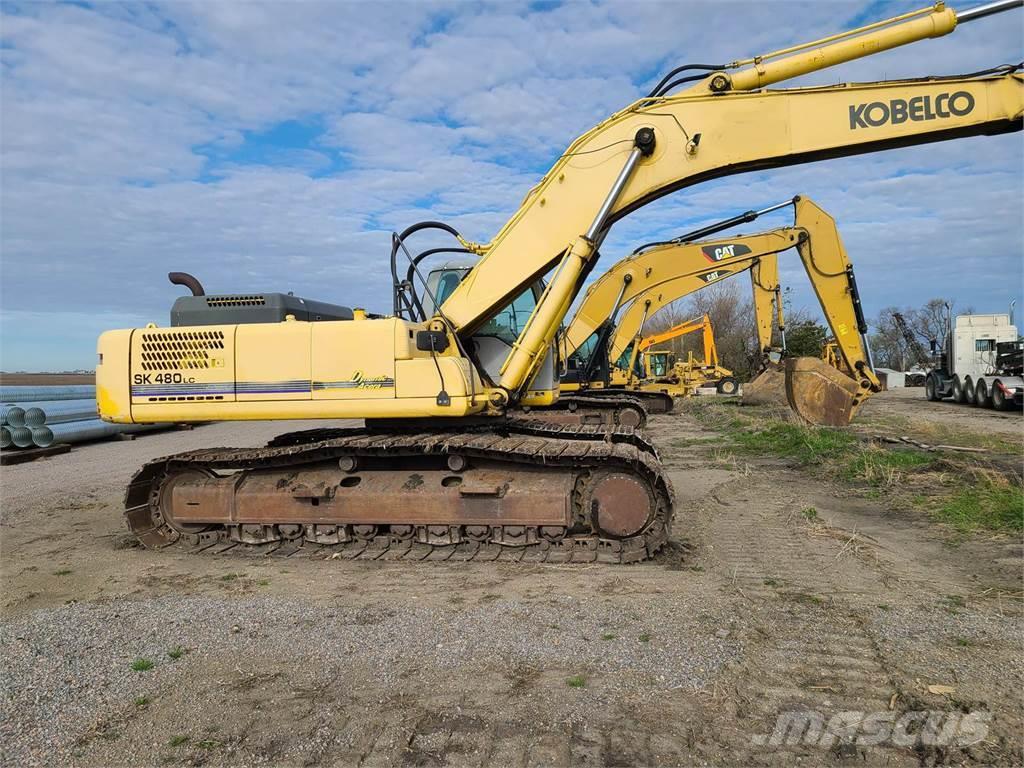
<point>752,611</point>
<point>51,688</point>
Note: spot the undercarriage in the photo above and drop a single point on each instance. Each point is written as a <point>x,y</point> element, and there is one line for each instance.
<point>519,491</point>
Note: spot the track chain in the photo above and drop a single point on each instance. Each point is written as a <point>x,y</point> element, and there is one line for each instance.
<point>517,425</point>
<point>608,405</point>
<point>585,450</point>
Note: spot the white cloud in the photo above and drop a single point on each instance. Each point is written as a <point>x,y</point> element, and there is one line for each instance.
<point>134,142</point>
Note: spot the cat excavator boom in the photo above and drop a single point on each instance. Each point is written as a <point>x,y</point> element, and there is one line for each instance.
<point>438,463</point>
<point>661,273</point>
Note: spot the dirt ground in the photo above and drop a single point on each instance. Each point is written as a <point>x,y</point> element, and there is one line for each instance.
<point>908,403</point>
<point>757,609</point>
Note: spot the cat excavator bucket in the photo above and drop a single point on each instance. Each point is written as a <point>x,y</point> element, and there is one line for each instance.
<point>820,394</point>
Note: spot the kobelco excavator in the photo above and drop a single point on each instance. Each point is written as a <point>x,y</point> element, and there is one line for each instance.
<point>438,470</point>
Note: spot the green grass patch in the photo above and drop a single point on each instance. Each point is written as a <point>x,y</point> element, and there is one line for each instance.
<point>808,445</point>
<point>644,637</point>
<point>177,741</point>
<point>229,577</point>
<point>141,702</point>
<point>608,636</point>
<point>992,504</point>
<point>883,466</point>
<point>177,652</point>
<point>142,665</point>
<point>63,572</point>
<point>576,681</point>
<point>963,491</point>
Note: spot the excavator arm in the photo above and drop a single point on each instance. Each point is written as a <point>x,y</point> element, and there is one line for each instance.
<point>720,126</point>
<point>702,323</point>
<point>764,282</point>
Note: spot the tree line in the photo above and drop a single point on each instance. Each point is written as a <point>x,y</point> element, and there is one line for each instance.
<point>731,310</point>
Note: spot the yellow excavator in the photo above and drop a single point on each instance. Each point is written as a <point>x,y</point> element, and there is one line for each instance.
<point>658,274</point>
<point>438,469</point>
<point>653,276</point>
<point>648,375</point>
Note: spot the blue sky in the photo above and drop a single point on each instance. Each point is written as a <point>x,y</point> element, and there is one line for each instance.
<point>275,146</point>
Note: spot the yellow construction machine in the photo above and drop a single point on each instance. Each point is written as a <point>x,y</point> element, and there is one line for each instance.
<point>438,469</point>
<point>689,375</point>
<point>653,276</point>
<point>609,324</point>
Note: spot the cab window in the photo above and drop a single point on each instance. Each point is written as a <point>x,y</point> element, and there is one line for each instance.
<point>584,352</point>
<point>659,365</point>
<point>510,321</point>
<point>447,284</point>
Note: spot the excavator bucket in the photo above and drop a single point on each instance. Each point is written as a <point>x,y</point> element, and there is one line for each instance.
<point>819,393</point>
<point>767,388</point>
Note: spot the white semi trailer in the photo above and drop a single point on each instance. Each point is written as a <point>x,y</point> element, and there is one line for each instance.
<point>982,364</point>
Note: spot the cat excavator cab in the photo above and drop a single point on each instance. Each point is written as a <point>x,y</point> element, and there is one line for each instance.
<point>439,469</point>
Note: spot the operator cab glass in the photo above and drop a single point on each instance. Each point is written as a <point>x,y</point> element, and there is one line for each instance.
<point>441,283</point>
<point>584,353</point>
<point>623,362</point>
<point>659,363</point>
<point>510,321</point>
<point>506,325</point>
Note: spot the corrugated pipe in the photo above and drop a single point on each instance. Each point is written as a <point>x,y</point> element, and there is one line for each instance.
<point>5,437</point>
<point>14,415</point>
<point>34,417</point>
<point>59,411</point>
<point>42,436</point>
<point>36,393</point>
<point>21,437</point>
<point>94,429</point>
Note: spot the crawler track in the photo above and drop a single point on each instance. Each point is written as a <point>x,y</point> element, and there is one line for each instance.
<point>620,409</point>
<point>649,401</point>
<point>608,484</point>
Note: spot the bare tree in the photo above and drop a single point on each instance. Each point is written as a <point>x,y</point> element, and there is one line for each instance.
<point>732,316</point>
<point>927,324</point>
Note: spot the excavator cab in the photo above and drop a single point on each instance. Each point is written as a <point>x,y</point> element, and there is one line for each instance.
<point>493,340</point>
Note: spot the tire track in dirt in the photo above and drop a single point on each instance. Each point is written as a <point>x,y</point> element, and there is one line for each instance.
<point>811,652</point>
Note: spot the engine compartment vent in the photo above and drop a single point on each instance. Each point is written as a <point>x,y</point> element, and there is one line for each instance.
<point>235,301</point>
<point>179,350</point>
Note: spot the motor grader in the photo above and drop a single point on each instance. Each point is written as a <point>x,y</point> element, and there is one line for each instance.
<point>438,469</point>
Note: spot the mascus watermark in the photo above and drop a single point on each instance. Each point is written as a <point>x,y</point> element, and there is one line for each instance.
<point>901,729</point>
